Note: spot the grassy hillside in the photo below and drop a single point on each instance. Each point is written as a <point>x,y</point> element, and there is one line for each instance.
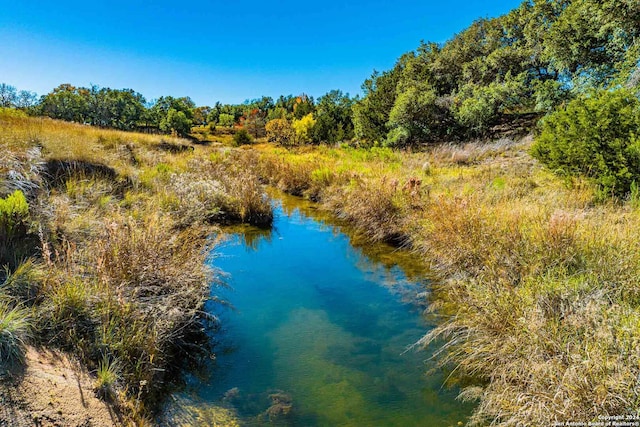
<point>105,236</point>
<point>536,283</point>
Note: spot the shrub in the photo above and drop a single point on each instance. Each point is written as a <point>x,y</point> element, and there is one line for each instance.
<point>242,137</point>
<point>595,136</point>
<point>17,243</point>
<point>14,211</point>
<point>280,130</point>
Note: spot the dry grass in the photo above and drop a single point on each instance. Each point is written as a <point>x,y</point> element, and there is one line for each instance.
<point>118,225</point>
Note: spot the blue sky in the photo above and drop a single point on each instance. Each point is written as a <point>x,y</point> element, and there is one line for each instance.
<point>220,51</point>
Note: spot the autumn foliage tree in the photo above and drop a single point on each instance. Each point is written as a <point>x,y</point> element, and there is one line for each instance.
<point>280,131</point>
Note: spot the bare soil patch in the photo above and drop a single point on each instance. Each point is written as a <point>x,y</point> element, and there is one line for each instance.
<point>53,390</point>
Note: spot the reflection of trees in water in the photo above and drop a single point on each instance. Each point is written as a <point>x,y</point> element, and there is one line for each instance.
<point>251,236</point>
<point>374,254</point>
<point>379,260</point>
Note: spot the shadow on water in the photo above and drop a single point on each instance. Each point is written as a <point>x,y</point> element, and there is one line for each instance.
<point>319,332</point>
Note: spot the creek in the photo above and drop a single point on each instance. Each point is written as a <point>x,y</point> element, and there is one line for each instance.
<point>319,332</point>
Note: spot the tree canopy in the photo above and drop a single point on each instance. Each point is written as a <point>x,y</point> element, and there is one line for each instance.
<point>531,60</point>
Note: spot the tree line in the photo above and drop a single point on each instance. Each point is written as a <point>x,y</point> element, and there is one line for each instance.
<point>289,119</point>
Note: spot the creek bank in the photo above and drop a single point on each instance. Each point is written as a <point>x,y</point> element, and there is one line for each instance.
<point>53,390</point>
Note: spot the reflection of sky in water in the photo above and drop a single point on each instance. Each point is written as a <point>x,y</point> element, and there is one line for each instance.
<point>318,321</point>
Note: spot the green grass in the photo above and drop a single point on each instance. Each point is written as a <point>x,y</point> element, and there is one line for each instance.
<point>15,327</point>
<point>106,378</point>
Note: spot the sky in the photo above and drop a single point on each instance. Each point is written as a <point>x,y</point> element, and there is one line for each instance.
<point>227,51</point>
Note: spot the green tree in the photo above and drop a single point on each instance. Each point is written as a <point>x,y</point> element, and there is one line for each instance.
<point>65,102</point>
<point>176,121</point>
<point>333,118</point>
<point>417,116</point>
<point>226,120</point>
<point>161,108</point>
<point>595,136</point>
<point>371,113</point>
<point>589,39</point>
<point>303,105</point>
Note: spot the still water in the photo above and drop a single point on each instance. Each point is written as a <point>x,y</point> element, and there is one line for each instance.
<point>318,333</point>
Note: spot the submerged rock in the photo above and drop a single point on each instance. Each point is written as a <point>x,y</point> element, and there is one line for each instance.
<point>281,405</point>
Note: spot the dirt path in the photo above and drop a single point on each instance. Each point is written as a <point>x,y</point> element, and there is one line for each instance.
<point>52,391</point>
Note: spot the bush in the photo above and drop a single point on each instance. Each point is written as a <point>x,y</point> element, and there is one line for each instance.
<point>14,211</point>
<point>280,131</point>
<point>242,137</point>
<point>17,243</point>
<point>595,136</point>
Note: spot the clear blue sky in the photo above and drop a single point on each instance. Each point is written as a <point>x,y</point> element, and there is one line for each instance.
<point>224,51</point>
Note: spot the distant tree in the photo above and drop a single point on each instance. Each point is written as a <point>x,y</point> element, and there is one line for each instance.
<point>65,102</point>
<point>176,121</point>
<point>303,105</point>
<point>333,118</point>
<point>254,121</point>
<point>226,120</point>
<point>201,115</point>
<point>263,104</point>
<point>287,103</point>
<point>304,128</point>
<point>119,109</point>
<point>161,110</point>
<point>8,95</point>
<point>277,113</point>
<point>26,99</point>
<point>280,131</point>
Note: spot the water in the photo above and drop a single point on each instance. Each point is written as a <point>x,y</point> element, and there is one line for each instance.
<point>318,334</point>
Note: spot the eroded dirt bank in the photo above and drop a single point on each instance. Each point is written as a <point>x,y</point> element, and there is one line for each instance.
<point>52,390</point>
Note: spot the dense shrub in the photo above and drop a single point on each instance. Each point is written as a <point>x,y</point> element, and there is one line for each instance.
<point>595,136</point>
<point>242,137</point>
<point>280,130</point>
